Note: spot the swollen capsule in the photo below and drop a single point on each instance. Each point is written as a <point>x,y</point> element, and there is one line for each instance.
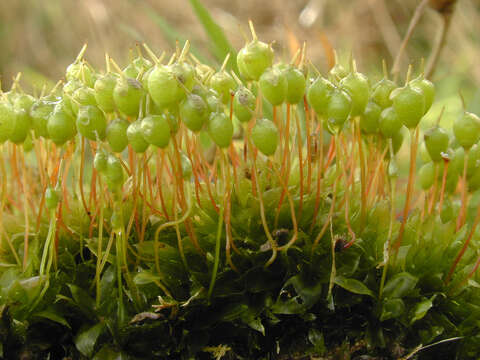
<point>436,141</point>
<point>220,128</point>
<point>156,130</point>
<point>409,104</point>
<point>273,84</point>
<point>127,96</point>
<point>116,134</point>
<point>61,126</point>
<point>104,87</point>
<point>254,58</point>
<point>389,122</point>
<point>244,104</point>
<point>91,123</point>
<point>223,84</point>
<point>7,121</point>
<point>163,86</point>
<point>135,137</point>
<point>318,95</point>
<point>193,112</point>
<point>467,130</point>
<point>369,121</point>
<point>339,107</point>
<point>356,85</point>
<point>265,136</point>
<point>427,88</point>
<point>296,85</point>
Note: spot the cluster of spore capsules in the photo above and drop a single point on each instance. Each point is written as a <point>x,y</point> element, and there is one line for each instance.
<point>166,107</point>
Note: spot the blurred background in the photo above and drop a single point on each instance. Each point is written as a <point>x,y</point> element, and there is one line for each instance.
<point>41,38</point>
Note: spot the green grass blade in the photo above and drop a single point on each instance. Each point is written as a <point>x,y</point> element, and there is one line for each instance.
<point>219,42</point>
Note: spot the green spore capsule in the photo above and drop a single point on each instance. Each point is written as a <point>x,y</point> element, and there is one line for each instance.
<point>193,112</point>
<point>254,58</point>
<point>91,122</point>
<point>473,181</point>
<point>318,95</point>
<point>273,85</point>
<point>163,86</point>
<point>131,71</point>
<point>467,130</point>
<point>80,71</point>
<point>52,198</point>
<point>244,103</point>
<point>369,121</point>
<point>40,113</point>
<point>83,96</point>
<point>381,93</point>
<point>296,85</point>
<point>214,104</point>
<point>409,104</point>
<point>104,87</point>
<point>7,121</point>
<point>265,136</point>
<point>100,161</point>
<point>116,134</point>
<point>473,163</point>
<point>127,96</point>
<point>337,72</point>
<point>61,126</point>
<point>339,107</point>
<point>23,124</point>
<point>114,173</point>
<point>427,88</point>
<point>156,130</point>
<point>389,122</point>
<point>135,137</point>
<point>24,102</point>
<point>220,129</point>
<point>426,175</point>
<point>185,75</point>
<point>436,142</point>
<point>357,86</point>
<point>223,83</point>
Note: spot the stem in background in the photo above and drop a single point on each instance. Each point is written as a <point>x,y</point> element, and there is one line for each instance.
<point>363,175</point>
<point>309,142</point>
<point>411,27</point>
<point>3,200</point>
<point>386,247</point>
<point>464,247</point>
<point>168,224</point>
<point>444,182</point>
<point>219,228</point>
<point>268,234</point>
<point>439,45</point>
<point>80,178</point>
<point>461,215</point>
<point>25,210</point>
<point>160,163</point>
<point>100,243</point>
<point>300,162</point>
<point>292,211</point>
<point>346,192</point>
<point>411,179</point>
<point>433,198</point>
<point>334,197</point>
<point>319,175</point>
<point>228,209</point>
